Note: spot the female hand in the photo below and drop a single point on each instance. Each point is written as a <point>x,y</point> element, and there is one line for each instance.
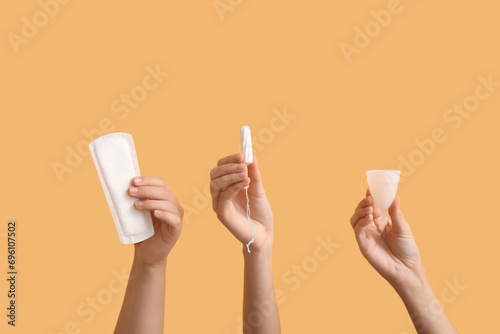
<point>389,247</point>
<point>227,186</point>
<point>155,196</point>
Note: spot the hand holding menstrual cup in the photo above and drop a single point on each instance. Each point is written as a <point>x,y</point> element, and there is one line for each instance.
<point>383,187</point>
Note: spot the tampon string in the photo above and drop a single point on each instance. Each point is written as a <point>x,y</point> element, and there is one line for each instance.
<point>252,227</point>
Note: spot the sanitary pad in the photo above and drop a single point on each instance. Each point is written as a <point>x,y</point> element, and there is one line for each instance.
<point>116,162</point>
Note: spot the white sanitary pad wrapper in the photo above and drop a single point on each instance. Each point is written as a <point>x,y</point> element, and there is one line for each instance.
<point>116,162</point>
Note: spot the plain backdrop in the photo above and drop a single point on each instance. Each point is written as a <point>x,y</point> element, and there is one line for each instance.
<point>264,59</point>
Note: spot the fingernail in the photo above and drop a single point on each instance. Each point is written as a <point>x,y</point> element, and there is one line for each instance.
<point>368,199</point>
<point>139,204</point>
<point>157,213</point>
<point>133,190</point>
<point>138,179</point>
<point>242,167</point>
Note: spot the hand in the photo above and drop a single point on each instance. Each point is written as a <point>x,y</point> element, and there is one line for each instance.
<point>391,250</point>
<point>155,196</point>
<point>227,186</point>
<point>389,247</point>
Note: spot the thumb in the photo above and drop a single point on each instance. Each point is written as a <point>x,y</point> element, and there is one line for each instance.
<point>256,186</point>
<point>397,219</point>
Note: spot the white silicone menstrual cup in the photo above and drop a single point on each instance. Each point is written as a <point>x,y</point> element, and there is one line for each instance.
<point>383,187</point>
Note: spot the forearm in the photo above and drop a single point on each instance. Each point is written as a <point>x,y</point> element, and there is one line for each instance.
<point>260,312</point>
<point>425,309</point>
<point>144,303</point>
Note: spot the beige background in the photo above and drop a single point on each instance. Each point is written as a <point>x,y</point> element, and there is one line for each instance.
<point>263,58</point>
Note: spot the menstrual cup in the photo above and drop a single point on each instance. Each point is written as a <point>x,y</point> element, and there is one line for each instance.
<point>383,187</point>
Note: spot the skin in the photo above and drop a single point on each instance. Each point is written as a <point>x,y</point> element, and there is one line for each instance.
<point>391,250</point>
<point>144,303</point>
<point>227,186</point>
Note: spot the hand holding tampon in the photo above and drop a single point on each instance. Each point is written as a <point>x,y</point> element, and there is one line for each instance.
<point>227,186</point>
<point>228,182</point>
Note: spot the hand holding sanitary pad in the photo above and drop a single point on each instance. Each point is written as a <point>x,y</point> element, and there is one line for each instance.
<point>116,163</point>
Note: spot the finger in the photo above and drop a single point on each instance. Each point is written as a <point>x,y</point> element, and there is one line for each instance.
<point>153,181</point>
<point>148,192</point>
<point>229,168</point>
<point>398,221</point>
<point>157,182</point>
<point>240,231</point>
<point>377,214</point>
<point>233,190</point>
<point>227,180</point>
<point>359,214</point>
<point>367,201</point>
<point>151,205</point>
<point>377,218</point>
<point>234,158</point>
<point>363,222</point>
<point>256,186</point>
<point>172,220</point>
<point>217,185</point>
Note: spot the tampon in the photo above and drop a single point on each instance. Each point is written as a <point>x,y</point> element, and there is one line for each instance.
<point>246,144</point>
<point>246,149</point>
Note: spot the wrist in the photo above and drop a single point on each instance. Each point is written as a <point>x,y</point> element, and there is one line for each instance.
<point>415,288</point>
<point>261,253</point>
<point>262,245</point>
<point>424,308</point>
<point>412,280</point>
<point>149,266</point>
